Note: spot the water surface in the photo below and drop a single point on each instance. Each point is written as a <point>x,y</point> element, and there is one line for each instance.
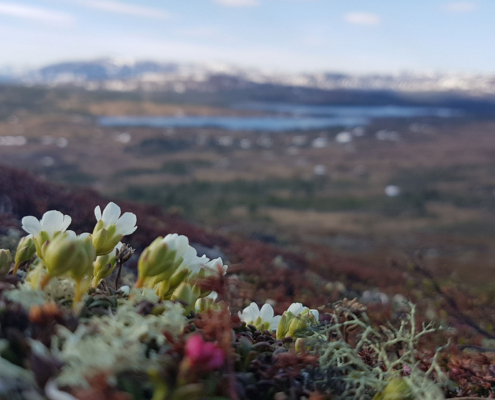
<point>285,117</point>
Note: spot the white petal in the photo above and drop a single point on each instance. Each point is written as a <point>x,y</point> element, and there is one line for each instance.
<point>316,314</point>
<point>170,240</point>
<point>111,214</point>
<point>52,221</point>
<point>98,213</point>
<point>31,225</point>
<point>201,261</point>
<point>182,244</point>
<point>118,246</point>
<point>250,313</point>
<point>296,308</point>
<point>190,254</point>
<point>266,312</point>
<point>84,235</point>
<point>127,224</point>
<point>214,263</point>
<point>71,234</point>
<point>213,296</point>
<point>67,220</point>
<point>196,264</point>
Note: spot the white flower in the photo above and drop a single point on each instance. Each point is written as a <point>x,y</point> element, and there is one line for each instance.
<point>52,221</point>
<point>179,243</point>
<point>298,309</point>
<point>213,265</point>
<point>125,224</point>
<point>190,259</point>
<point>72,235</point>
<point>264,317</point>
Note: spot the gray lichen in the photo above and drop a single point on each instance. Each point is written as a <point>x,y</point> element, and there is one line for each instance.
<point>346,375</point>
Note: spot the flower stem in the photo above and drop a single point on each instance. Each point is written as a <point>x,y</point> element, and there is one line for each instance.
<point>44,281</point>
<point>16,267</point>
<point>139,282</point>
<point>78,294</point>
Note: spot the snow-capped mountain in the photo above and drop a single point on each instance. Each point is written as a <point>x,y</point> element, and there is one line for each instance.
<point>127,75</point>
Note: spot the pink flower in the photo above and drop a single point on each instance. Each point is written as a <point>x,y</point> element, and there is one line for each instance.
<point>407,370</point>
<point>203,355</point>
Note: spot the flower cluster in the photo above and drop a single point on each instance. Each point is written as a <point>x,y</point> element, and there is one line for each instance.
<point>169,337</point>
<point>291,323</point>
<point>172,267</point>
<point>169,265</point>
<point>61,253</point>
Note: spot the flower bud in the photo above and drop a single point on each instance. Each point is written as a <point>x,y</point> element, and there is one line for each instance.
<point>104,265</point>
<point>397,389</point>
<point>158,261</point>
<point>25,250</point>
<point>82,265</point>
<point>283,326</point>
<point>165,288</point>
<point>185,294</point>
<point>39,240</point>
<point>297,324</point>
<point>205,304</point>
<point>296,318</point>
<point>105,240</point>
<point>103,268</point>
<point>201,274</point>
<point>301,322</point>
<point>5,262</point>
<point>299,345</point>
<point>59,256</point>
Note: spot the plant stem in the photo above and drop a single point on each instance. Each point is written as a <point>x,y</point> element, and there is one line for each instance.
<point>119,271</point>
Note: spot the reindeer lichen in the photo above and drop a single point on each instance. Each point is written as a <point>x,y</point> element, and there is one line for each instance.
<point>346,372</point>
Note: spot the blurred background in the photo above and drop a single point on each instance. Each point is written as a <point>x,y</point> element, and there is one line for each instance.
<point>364,128</point>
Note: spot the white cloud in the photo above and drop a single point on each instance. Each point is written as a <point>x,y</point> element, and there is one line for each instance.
<point>460,6</point>
<point>124,8</point>
<point>238,3</point>
<point>55,18</point>
<point>362,18</point>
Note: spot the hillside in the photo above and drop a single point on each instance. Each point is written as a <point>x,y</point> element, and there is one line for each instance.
<point>50,344</point>
<point>277,273</point>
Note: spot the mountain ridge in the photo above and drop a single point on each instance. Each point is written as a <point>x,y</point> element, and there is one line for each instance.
<point>128,75</point>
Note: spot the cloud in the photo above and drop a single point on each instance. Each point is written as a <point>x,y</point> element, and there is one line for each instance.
<point>123,8</point>
<point>55,18</point>
<point>238,3</point>
<point>460,6</point>
<point>362,18</point>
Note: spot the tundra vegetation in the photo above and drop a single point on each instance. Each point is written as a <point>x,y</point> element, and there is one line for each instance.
<point>77,323</point>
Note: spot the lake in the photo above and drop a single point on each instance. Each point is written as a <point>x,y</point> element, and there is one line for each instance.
<point>286,117</point>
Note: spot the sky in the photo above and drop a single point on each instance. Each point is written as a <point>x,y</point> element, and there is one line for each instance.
<point>355,36</point>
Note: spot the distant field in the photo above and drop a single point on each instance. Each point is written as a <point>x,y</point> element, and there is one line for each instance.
<point>301,188</point>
